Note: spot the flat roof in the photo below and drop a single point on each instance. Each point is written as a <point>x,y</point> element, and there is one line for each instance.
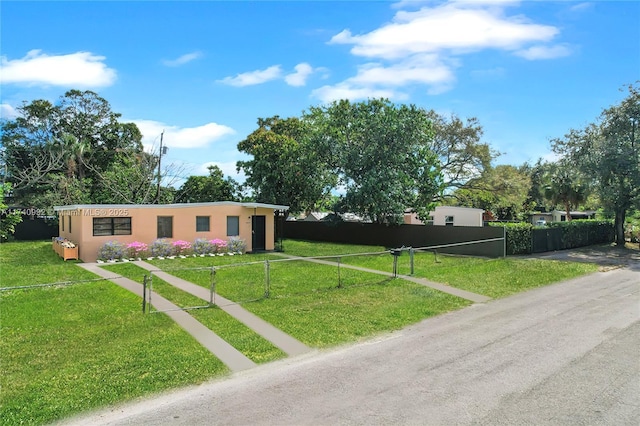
<point>171,206</point>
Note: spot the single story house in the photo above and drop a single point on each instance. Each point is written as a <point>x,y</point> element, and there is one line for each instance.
<point>539,218</point>
<point>92,225</point>
<point>448,216</point>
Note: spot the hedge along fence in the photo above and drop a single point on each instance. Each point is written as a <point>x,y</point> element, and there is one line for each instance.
<point>584,232</point>
<point>524,238</point>
<point>518,237</point>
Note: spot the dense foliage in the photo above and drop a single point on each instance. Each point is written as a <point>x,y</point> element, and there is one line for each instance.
<point>8,219</point>
<point>609,152</point>
<point>381,157</point>
<point>67,153</point>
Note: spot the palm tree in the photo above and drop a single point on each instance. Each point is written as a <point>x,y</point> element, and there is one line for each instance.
<point>565,187</point>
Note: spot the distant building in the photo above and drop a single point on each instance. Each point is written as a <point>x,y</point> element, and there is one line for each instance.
<point>559,216</point>
<point>448,216</point>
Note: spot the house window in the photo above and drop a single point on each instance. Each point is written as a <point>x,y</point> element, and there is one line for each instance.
<point>202,223</point>
<point>448,220</point>
<point>233,226</point>
<point>165,226</point>
<point>429,221</point>
<point>69,224</point>
<point>111,226</point>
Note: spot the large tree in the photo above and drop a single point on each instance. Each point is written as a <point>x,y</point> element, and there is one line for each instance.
<point>382,155</point>
<point>285,168</point>
<point>609,151</point>
<point>501,190</point>
<point>61,151</point>
<point>214,187</point>
<point>457,143</point>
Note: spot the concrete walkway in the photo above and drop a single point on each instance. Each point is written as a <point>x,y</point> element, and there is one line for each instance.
<point>285,342</point>
<point>230,356</point>
<point>474,297</point>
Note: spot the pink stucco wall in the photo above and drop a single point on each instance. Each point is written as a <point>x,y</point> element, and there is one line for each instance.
<point>144,223</point>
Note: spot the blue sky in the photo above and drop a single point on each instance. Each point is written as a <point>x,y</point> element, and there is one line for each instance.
<point>205,71</point>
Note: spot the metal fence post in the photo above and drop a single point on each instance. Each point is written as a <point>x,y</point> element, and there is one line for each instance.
<point>150,289</point>
<point>411,251</point>
<point>212,289</point>
<point>267,281</point>
<point>395,266</point>
<point>144,294</point>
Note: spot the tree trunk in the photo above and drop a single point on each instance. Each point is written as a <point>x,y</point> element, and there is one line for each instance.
<point>567,207</point>
<point>619,227</point>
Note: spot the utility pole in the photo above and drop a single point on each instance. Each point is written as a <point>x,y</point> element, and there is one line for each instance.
<point>163,150</point>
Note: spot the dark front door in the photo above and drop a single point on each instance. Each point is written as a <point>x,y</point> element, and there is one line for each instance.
<point>259,233</point>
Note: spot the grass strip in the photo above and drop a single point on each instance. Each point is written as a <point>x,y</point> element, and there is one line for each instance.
<point>241,337</point>
<point>308,301</point>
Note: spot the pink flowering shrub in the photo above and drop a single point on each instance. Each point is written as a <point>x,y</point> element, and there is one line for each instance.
<point>220,246</point>
<point>181,247</point>
<point>136,249</point>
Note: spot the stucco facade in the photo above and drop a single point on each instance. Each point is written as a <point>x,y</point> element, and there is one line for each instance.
<point>90,226</point>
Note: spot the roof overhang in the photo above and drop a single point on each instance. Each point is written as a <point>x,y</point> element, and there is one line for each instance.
<point>170,206</point>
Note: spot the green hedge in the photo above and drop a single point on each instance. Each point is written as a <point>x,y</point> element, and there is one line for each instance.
<point>584,232</point>
<point>518,237</point>
<point>577,233</point>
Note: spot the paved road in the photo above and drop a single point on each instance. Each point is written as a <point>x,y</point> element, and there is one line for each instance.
<point>562,354</point>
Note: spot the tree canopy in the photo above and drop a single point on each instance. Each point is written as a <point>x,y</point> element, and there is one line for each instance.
<point>202,189</point>
<point>381,154</point>
<point>608,151</point>
<point>63,153</point>
<point>285,168</point>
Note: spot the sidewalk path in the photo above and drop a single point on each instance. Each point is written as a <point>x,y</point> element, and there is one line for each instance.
<point>230,356</point>
<point>285,342</point>
<point>474,297</point>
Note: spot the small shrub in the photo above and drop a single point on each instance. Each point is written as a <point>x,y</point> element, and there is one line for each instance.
<point>162,248</point>
<point>236,245</point>
<point>181,247</point>
<point>136,249</point>
<point>220,246</point>
<point>111,250</point>
<point>203,246</point>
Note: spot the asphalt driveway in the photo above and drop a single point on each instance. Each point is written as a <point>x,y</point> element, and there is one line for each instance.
<point>561,354</point>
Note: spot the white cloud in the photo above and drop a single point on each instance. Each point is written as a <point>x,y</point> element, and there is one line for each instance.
<point>188,57</point>
<point>457,26</point>
<point>581,6</point>
<point>375,80</point>
<point>348,90</point>
<point>7,112</point>
<point>78,70</point>
<point>299,77</point>
<point>180,137</point>
<point>544,52</point>
<point>425,69</point>
<point>425,46</point>
<point>254,77</point>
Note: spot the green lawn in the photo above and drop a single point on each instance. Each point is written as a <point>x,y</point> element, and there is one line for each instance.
<point>234,332</point>
<point>497,277</point>
<point>67,349</point>
<point>490,277</point>
<point>306,302</point>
